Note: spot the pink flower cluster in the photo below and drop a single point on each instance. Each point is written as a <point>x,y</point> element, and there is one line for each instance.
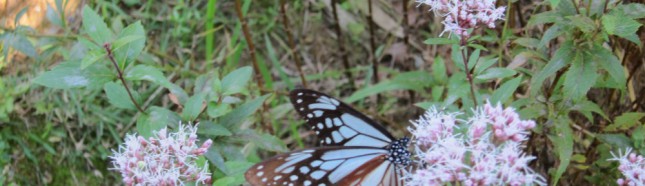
<point>461,15</point>
<point>485,149</point>
<point>165,159</point>
<point>632,166</point>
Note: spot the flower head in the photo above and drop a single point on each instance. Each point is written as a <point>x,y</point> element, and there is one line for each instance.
<point>461,15</point>
<point>632,166</point>
<point>165,159</point>
<point>476,156</point>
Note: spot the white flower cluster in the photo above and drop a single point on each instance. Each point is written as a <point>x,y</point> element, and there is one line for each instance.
<point>632,166</point>
<point>488,153</point>
<point>165,159</point>
<point>461,15</point>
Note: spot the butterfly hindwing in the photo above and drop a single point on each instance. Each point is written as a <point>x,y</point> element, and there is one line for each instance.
<point>336,123</point>
<point>333,165</point>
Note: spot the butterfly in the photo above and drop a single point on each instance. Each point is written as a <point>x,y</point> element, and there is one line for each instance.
<point>355,149</point>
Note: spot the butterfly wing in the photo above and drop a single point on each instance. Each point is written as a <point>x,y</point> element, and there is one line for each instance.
<point>333,165</point>
<point>336,123</point>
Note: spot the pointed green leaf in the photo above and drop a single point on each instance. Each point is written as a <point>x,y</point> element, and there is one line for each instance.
<point>236,81</point>
<point>129,44</point>
<point>563,142</point>
<point>193,107</point>
<point>118,95</point>
<point>156,119</point>
<point>239,114</point>
<point>580,77</point>
<point>506,90</point>
<point>562,57</point>
<point>94,26</point>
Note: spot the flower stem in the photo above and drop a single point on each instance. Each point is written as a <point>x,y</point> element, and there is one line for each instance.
<point>469,75</point>
<point>118,70</point>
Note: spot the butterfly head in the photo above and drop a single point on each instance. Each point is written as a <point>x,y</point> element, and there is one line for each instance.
<point>399,153</point>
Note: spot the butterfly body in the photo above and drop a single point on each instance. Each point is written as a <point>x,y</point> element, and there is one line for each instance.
<point>355,149</point>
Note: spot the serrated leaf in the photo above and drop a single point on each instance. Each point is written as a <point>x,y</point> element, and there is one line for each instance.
<point>506,90</point>
<point>129,44</point>
<point>212,130</point>
<point>94,26</point>
<point>626,121</point>
<point>69,75</point>
<point>19,15</point>
<point>563,142</point>
<point>631,10</point>
<point>580,77</point>
<point>587,107</point>
<point>440,41</point>
<point>618,140</point>
<point>156,119</point>
<point>610,63</point>
<point>561,58</point>
<point>616,24</point>
<point>543,18</point>
<point>494,73</point>
<point>239,114</point>
<point>236,81</point>
<point>584,23</point>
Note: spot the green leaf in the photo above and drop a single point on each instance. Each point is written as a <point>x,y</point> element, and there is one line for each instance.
<point>439,70</point>
<point>561,58</point>
<point>276,63</point>
<point>617,24</point>
<point>20,43</point>
<point>580,77</point>
<point>269,142</point>
<point>91,57</point>
<point>563,142</point>
<point>129,44</point>
<point>587,107</point>
<point>473,58</point>
<point>53,16</point>
<point>144,72</point>
<point>215,110</point>
<point>237,170</point>
<point>584,23</point>
<point>543,18</point>
<point>631,10</point>
<point>94,26</point>
<point>118,96</point>
<point>495,73</point>
<point>506,90</point>
<point>239,114</point>
<point>69,75</point>
<point>19,15</point>
<point>193,107</point>
<point>626,121</point>
<point>440,41</point>
<point>617,140</point>
<point>156,119</point>
<point>225,181</point>
<point>414,80</point>
<point>212,130</point>
<point>527,42</point>
<point>639,137</point>
<point>610,63</point>
<point>550,34</point>
<point>484,64</point>
<point>214,156</point>
<point>236,81</point>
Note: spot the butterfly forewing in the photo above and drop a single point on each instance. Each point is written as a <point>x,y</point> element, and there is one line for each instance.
<point>336,123</point>
<point>336,165</point>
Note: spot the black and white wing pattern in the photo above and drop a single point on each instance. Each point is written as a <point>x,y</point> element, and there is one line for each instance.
<point>336,123</point>
<point>326,166</point>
